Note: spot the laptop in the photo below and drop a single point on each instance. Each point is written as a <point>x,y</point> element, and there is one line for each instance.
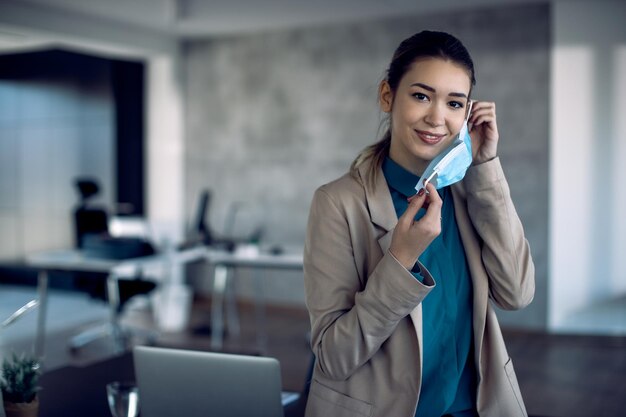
<point>174,382</point>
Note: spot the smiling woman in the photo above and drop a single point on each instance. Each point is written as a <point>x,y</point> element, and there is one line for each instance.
<point>428,111</point>
<point>400,286</point>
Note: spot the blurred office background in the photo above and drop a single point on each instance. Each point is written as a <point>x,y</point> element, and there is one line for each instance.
<point>262,102</point>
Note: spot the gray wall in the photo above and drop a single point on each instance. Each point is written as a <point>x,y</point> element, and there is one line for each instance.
<point>270,117</point>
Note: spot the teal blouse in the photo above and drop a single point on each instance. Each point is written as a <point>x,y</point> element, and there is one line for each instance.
<point>448,371</point>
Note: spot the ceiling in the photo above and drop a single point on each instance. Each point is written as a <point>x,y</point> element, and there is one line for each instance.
<point>184,19</point>
<point>215,17</point>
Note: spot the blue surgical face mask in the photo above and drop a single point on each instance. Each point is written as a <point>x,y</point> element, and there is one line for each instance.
<point>450,165</point>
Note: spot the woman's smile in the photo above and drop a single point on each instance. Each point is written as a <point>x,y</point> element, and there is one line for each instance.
<point>430,138</point>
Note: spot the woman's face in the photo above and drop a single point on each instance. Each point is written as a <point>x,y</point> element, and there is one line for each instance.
<point>427,111</point>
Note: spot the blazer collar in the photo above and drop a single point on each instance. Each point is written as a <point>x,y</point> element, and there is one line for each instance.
<point>378,197</point>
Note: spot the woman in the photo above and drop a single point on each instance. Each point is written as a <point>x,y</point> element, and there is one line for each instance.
<point>399,285</point>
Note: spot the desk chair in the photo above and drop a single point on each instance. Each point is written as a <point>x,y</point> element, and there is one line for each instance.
<point>127,289</point>
<point>123,288</point>
<point>95,236</point>
<point>31,305</point>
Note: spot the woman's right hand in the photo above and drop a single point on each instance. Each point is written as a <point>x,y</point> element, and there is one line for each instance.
<point>411,238</point>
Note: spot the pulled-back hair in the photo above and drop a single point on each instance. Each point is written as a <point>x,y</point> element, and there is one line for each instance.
<point>425,44</point>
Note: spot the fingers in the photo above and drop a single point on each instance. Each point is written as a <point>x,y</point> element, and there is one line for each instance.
<point>428,200</point>
<point>433,212</point>
<point>482,112</point>
<point>415,203</point>
<point>410,238</point>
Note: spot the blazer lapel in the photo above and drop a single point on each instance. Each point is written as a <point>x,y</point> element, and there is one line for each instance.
<point>379,202</point>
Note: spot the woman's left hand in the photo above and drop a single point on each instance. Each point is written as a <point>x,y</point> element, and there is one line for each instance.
<point>484,131</point>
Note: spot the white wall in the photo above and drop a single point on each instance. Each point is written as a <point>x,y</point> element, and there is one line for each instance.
<point>588,156</point>
<point>164,157</point>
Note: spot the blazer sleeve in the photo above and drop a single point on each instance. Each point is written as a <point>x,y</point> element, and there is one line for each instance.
<point>505,250</point>
<point>351,316</point>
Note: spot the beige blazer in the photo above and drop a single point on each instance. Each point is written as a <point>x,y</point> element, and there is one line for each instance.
<point>365,307</point>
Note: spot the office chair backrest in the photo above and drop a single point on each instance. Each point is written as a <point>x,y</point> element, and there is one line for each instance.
<point>89,221</point>
<point>200,227</point>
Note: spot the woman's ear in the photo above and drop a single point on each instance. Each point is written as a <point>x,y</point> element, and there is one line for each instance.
<point>385,96</point>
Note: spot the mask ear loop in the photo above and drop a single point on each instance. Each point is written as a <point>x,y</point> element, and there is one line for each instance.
<point>428,180</point>
<point>469,113</point>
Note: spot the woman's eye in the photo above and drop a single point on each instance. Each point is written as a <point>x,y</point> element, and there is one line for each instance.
<point>420,96</point>
<point>456,104</point>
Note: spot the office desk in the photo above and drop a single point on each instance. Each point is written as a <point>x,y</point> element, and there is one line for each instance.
<point>75,261</point>
<point>225,263</point>
<point>81,391</point>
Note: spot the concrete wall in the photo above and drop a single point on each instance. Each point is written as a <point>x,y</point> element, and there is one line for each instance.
<point>270,117</point>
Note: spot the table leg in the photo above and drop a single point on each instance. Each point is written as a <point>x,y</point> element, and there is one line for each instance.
<point>220,278</point>
<point>42,289</point>
<point>261,321</point>
<point>232,316</point>
<point>113,296</point>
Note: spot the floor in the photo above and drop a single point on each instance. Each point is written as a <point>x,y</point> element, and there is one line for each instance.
<point>559,375</point>
<point>61,304</point>
<point>570,376</point>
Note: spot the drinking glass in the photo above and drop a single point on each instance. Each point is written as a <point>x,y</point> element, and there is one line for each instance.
<point>123,399</point>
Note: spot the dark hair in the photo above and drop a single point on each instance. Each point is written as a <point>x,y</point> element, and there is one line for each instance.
<point>425,44</point>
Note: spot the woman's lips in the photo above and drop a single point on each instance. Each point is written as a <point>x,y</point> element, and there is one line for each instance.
<point>429,137</point>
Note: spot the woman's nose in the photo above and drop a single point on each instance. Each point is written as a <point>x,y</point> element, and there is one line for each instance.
<point>434,116</point>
